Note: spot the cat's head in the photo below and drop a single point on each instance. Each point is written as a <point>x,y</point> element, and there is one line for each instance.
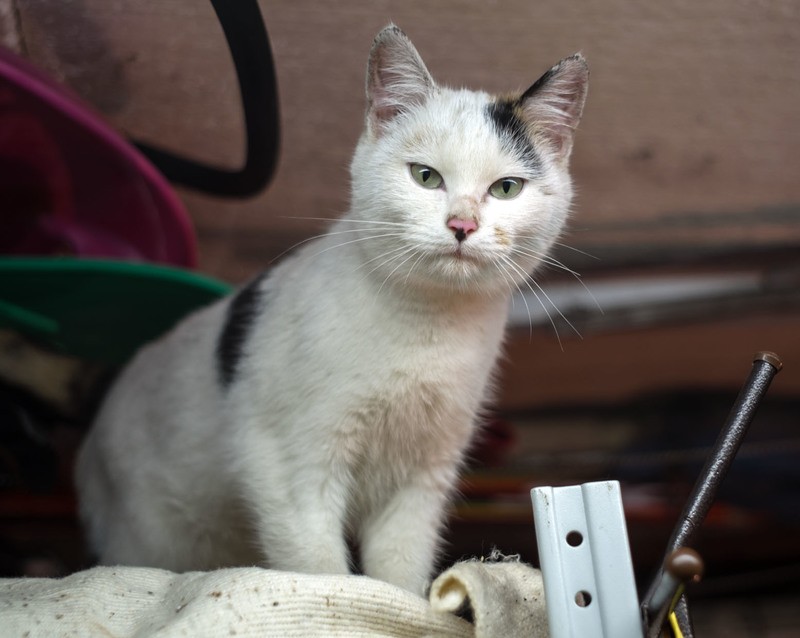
<point>460,189</point>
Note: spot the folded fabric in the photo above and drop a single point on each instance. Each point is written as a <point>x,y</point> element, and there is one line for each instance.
<point>503,598</point>
<point>504,595</point>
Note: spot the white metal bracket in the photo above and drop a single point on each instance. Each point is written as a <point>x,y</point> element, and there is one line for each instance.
<point>586,562</point>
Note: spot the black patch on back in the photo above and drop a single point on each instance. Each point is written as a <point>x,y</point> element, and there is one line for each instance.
<point>242,313</point>
<point>513,132</point>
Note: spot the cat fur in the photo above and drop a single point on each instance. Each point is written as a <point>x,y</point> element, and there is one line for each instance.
<point>329,403</point>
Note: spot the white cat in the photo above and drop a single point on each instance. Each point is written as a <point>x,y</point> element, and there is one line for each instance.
<point>330,401</point>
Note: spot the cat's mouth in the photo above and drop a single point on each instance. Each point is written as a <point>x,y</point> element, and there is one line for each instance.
<point>460,255</point>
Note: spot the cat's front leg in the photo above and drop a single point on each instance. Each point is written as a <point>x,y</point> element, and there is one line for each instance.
<point>300,528</point>
<point>399,542</point>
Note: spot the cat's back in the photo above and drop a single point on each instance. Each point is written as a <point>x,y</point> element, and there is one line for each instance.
<point>160,408</point>
<point>175,370</point>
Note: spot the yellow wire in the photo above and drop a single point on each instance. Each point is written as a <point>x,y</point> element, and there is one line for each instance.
<point>673,619</point>
<point>673,622</point>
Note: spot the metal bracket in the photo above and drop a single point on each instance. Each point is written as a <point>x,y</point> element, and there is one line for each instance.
<point>583,541</point>
<point>586,562</point>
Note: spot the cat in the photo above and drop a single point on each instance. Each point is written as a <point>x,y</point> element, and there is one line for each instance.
<point>329,402</point>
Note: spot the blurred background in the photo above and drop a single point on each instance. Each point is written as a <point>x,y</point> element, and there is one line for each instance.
<point>681,260</point>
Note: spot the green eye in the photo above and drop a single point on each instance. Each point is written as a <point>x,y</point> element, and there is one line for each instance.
<point>426,176</point>
<point>506,188</point>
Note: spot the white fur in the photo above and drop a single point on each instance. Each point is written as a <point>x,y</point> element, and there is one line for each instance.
<point>359,388</point>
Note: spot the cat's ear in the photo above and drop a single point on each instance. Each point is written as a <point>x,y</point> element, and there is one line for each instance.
<point>396,78</point>
<point>554,103</point>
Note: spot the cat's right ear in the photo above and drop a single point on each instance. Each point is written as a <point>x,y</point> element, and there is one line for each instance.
<point>397,79</point>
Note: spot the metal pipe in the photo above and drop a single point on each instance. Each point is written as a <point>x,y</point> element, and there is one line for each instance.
<point>765,366</point>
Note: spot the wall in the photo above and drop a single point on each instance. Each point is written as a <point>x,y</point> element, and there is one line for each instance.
<point>688,145</point>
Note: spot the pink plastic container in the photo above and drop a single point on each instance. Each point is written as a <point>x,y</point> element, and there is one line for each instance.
<point>71,185</point>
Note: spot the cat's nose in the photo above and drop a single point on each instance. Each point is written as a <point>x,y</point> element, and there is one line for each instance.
<point>462,227</point>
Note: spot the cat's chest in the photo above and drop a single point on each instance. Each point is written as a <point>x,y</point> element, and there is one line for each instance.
<point>373,377</point>
<point>413,406</point>
<point>431,371</point>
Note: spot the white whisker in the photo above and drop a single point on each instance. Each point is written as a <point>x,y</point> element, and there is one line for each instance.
<point>320,236</point>
<point>560,314</point>
<point>355,241</point>
<point>521,294</point>
<point>508,278</point>
<point>395,269</point>
<point>393,251</point>
<point>545,259</point>
<point>577,250</point>
<point>414,265</point>
<point>550,261</point>
<point>389,257</point>
<point>345,220</point>
<point>527,282</point>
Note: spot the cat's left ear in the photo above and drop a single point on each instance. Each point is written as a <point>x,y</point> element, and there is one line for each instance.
<point>397,78</point>
<point>554,104</point>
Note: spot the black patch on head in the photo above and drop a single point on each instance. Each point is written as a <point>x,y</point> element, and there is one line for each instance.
<point>512,130</point>
<point>243,310</point>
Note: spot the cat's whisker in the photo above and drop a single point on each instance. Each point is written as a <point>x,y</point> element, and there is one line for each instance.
<point>550,261</point>
<point>355,241</point>
<point>345,220</point>
<point>513,281</point>
<point>544,256</point>
<point>577,250</point>
<point>319,236</point>
<point>414,265</point>
<point>527,282</point>
<point>395,269</point>
<point>530,280</point>
<point>560,314</point>
<point>524,276</point>
<point>293,246</point>
<point>390,257</point>
<point>394,251</point>
<point>545,259</point>
<point>507,278</point>
<point>374,221</point>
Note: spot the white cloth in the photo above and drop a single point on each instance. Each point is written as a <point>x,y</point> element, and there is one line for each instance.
<point>506,599</point>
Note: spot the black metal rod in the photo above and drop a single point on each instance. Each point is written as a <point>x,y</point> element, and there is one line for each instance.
<point>249,45</point>
<point>765,366</point>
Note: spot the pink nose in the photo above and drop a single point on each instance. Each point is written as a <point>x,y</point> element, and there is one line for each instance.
<point>462,227</point>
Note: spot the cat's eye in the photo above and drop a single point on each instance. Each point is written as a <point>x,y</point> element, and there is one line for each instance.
<point>506,188</point>
<point>426,176</point>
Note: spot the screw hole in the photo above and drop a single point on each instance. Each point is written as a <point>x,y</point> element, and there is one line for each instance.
<point>583,599</point>
<point>574,539</point>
